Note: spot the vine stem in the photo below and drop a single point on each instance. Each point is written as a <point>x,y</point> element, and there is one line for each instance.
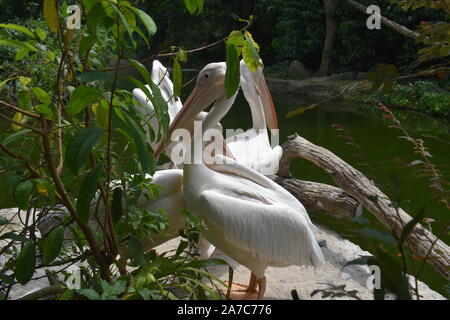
<point>171,54</point>
<point>48,154</point>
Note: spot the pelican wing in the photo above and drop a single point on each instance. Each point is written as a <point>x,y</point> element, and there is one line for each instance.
<point>274,233</point>
<point>272,191</point>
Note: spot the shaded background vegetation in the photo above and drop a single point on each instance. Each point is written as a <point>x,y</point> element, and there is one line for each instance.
<point>286,29</point>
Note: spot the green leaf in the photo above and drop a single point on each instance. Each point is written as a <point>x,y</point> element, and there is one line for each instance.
<point>136,251</point>
<point>6,279</point>
<point>232,75</point>
<point>23,192</point>
<point>147,21</point>
<point>144,156</point>
<point>250,54</point>
<point>116,207</point>
<point>41,95</point>
<point>26,263</point>
<point>161,108</point>
<point>191,5</point>
<point>21,53</point>
<point>51,14</point>
<point>86,43</point>
<point>14,236</point>
<point>91,294</point>
<point>12,137</point>
<point>82,97</point>
<point>24,98</point>
<point>126,20</point>
<point>24,81</point>
<point>87,192</point>
<point>16,27</point>
<point>41,34</point>
<point>363,260</point>
<point>236,39</point>
<point>177,78</point>
<point>2,84</point>
<point>3,221</point>
<point>46,111</point>
<point>101,76</point>
<point>142,70</point>
<point>200,5</point>
<point>408,228</point>
<point>53,244</point>
<point>81,146</point>
<point>379,235</point>
<point>18,44</point>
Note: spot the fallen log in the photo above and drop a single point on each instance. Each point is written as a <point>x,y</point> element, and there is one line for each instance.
<point>421,241</point>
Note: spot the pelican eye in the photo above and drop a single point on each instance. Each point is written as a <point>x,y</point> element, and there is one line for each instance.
<point>204,78</point>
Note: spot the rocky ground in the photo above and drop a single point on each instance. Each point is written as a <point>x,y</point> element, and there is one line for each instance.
<point>350,282</point>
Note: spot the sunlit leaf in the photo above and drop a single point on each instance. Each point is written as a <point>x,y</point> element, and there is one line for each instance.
<point>18,118</point>
<point>16,27</point>
<point>51,14</point>
<point>250,54</point>
<point>191,5</point>
<point>177,78</point>
<point>41,95</point>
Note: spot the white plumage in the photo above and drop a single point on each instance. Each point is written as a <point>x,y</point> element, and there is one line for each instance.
<point>250,218</point>
<point>252,148</point>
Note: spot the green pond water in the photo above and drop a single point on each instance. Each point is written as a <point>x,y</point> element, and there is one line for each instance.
<point>382,149</point>
<point>379,143</point>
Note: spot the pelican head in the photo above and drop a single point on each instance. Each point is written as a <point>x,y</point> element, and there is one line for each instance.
<point>254,86</point>
<point>208,89</point>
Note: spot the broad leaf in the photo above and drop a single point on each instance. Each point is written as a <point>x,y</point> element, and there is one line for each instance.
<point>144,156</point>
<point>41,95</point>
<point>177,78</point>
<point>53,244</point>
<point>379,235</point>
<point>16,27</point>
<point>26,263</point>
<point>116,207</point>
<point>232,75</point>
<point>82,97</point>
<point>142,70</point>
<point>23,192</point>
<point>136,251</point>
<point>81,146</point>
<point>250,53</point>
<point>191,5</point>
<point>408,228</point>
<point>87,192</point>
<point>51,14</point>
<point>147,21</point>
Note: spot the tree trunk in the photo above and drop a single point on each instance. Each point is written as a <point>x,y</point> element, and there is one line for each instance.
<point>420,240</point>
<point>326,63</point>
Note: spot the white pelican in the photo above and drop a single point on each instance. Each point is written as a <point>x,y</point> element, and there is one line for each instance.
<point>161,77</point>
<point>252,148</point>
<point>250,218</point>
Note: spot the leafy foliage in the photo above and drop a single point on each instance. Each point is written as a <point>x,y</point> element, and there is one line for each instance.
<point>77,156</point>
